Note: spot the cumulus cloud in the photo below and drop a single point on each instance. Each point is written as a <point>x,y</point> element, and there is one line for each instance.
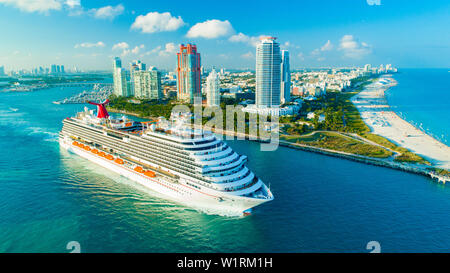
<point>248,55</point>
<point>211,29</point>
<point>242,38</point>
<point>352,48</point>
<point>136,50</point>
<point>157,22</point>
<point>301,56</point>
<point>122,45</point>
<point>327,46</point>
<point>73,3</point>
<point>108,12</point>
<point>89,45</point>
<point>169,49</point>
<point>42,6</point>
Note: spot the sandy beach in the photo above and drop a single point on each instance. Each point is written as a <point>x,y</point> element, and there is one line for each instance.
<point>378,115</point>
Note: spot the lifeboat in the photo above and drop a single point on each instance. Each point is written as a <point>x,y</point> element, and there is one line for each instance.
<point>94,151</point>
<point>150,174</point>
<point>75,143</point>
<point>81,145</point>
<point>139,169</point>
<point>118,161</point>
<point>87,148</point>
<point>102,154</point>
<point>109,157</point>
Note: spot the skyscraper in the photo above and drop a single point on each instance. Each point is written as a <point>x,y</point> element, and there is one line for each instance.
<point>62,70</point>
<point>285,77</point>
<point>213,89</point>
<point>147,84</point>
<point>135,66</point>
<point>268,73</point>
<point>53,69</point>
<point>120,79</point>
<point>188,73</point>
<point>2,71</point>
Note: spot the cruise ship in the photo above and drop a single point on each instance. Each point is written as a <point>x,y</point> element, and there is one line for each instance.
<point>188,165</point>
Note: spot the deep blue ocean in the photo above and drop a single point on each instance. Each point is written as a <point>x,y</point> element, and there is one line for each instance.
<point>422,98</point>
<point>49,197</point>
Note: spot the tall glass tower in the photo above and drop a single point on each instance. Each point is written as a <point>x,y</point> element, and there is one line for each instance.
<point>268,73</point>
<point>189,82</point>
<point>285,77</point>
<point>213,89</point>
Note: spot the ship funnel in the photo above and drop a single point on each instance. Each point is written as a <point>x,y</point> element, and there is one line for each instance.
<point>101,109</point>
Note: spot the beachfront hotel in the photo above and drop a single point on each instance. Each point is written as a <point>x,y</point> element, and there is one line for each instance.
<point>188,73</point>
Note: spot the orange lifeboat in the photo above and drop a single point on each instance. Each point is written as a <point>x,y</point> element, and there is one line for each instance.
<point>102,154</point>
<point>109,157</point>
<point>150,174</point>
<point>94,151</point>
<point>81,145</point>
<point>75,143</point>
<point>87,148</point>
<point>118,161</point>
<point>139,169</point>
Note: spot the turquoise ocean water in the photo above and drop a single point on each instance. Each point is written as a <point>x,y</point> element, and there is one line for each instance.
<point>49,197</point>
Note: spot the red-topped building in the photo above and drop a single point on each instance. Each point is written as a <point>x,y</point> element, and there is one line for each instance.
<point>189,83</point>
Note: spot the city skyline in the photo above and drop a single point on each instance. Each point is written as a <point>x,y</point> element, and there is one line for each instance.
<point>88,34</point>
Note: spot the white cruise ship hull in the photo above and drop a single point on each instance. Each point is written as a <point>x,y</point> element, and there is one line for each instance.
<point>225,204</point>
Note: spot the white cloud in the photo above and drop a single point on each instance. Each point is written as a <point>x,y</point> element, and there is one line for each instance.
<point>248,55</point>
<point>42,6</point>
<point>137,49</point>
<point>327,46</point>
<point>108,12</point>
<point>211,29</point>
<point>122,45</point>
<point>239,38</point>
<point>157,22</point>
<point>242,38</point>
<point>89,45</point>
<point>169,49</point>
<point>73,3</point>
<point>300,56</point>
<point>352,48</point>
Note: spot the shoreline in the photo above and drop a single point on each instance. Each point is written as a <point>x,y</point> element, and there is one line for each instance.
<point>382,120</point>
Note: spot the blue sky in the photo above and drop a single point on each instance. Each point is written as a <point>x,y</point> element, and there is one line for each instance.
<point>87,34</point>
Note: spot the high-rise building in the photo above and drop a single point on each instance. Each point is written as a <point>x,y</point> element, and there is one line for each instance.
<point>53,69</point>
<point>135,66</point>
<point>147,84</point>
<point>2,71</point>
<point>189,82</point>
<point>213,89</point>
<point>268,73</point>
<point>285,77</point>
<point>58,69</point>
<point>62,69</point>
<point>120,79</point>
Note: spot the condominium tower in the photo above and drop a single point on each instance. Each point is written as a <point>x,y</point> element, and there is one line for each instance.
<point>285,77</point>
<point>188,73</point>
<point>147,84</point>
<point>268,73</point>
<point>213,89</point>
<point>120,79</point>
